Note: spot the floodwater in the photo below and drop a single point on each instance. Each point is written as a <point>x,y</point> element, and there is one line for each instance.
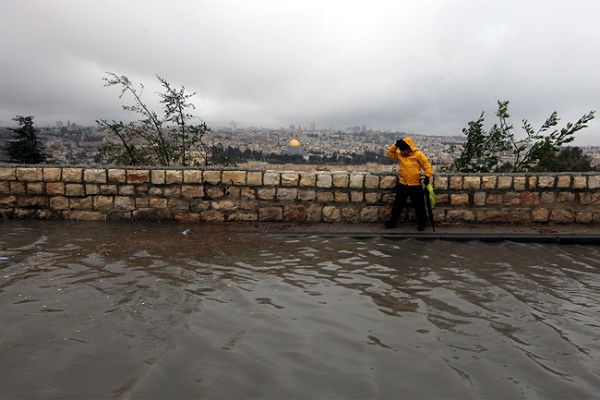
<point>94,310</point>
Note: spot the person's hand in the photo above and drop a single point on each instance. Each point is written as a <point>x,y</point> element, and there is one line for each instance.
<point>398,142</point>
<point>426,180</point>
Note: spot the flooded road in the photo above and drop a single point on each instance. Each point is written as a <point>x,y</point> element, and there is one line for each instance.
<point>94,310</point>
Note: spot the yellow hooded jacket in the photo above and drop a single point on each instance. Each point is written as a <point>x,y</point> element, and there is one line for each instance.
<point>410,167</point>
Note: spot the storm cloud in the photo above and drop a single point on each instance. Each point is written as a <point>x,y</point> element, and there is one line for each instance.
<point>423,66</point>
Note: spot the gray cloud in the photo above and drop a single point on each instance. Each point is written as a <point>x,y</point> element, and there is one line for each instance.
<point>423,66</point>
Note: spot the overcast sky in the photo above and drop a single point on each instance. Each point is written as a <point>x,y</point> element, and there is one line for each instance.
<point>423,66</point>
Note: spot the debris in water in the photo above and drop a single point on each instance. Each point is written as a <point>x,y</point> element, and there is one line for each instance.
<point>187,232</point>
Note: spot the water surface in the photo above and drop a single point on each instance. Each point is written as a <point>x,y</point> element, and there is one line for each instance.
<point>94,310</point>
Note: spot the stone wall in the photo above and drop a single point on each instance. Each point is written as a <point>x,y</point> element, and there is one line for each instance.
<point>192,195</point>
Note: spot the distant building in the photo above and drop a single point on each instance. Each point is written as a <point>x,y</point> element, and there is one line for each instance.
<point>294,147</point>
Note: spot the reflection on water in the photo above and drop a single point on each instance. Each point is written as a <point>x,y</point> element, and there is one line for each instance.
<point>142,311</point>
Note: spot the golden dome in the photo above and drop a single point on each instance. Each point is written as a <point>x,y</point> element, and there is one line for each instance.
<point>294,143</point>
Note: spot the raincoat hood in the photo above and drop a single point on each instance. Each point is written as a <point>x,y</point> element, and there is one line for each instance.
<point>410,143</point>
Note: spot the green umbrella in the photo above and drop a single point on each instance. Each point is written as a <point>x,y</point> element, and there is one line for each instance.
<point>428,192</point>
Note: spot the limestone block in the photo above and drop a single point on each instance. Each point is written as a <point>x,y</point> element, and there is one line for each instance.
<point>270,214</point>
<point>141,202</point>
<point>254,178</point>
<point>324,181</point>
<point>532,181</point>
<point>294,213</point>
<point>124,202</point>
<point>350,214</point>
<point>342,197</point>
<point>488,182</point>
<point>308,179</point>
<point>192,176</point>
<point>440,182</point>
<point>331,214</point>
<point>505,182</point>
<point>562,216</point>
<point>540,214</point>
<point>564,182</point>
<point>94,175</point>
<point>444,198</point>
<point>289,179</point>
<point>192,190</point>
<point>8,174</point>
<point>138,176</point>
<point>341,180</point>
<point>357,181</point>
<point>35,188</point>
<point>177,204</point>
<point>461,199</point>
<point>325,197</point>
<point>101,202</point>
<point>530,198</point>
<point>212,177</point>
<point>157,202</point>
<point>565,197</point>
<point>233,192</point>
<point>385,214</point>
<point>387,182</point>
<point>156,191</point>
<point>579,182</point>
<point>214,192</point>
<point>199,205</point>
<point>479,198</point>
<point>456,182</point>
<point>307,195</point>
<point>173,176</point>
<point>51,174</point>
<point>589,198</point>
<point>519,183</point>
<point>81,203</point>
<point>314,213</point>
<point>225,205</point>
<point>117,175</point>
<point>512,199</point>
<point>109,189</point>
<point>248,205</point>
<point>271,178</point>
<point>371,181</point>
<point>583,217</point>
<point>74,189</point>
<point>356,197</point>
<point>127,190</point>
<point>460,216</point>
<point>158,176</point>
<point>30,174</point>
<point>212,216</point>
<point>548,198</point>
<point>17,187</point>
<point>492,216</point>
<point>72,174</point>
<point>248,193</point>
<point>236,178</point>
<point>519,216</point>
<point>369,214</point>
<point>287,194</point>
<point>372,198</point>
<point>142,190</point>
<point>175,191</point>
<point>388,198</point>
<point>242,216</point>
<point>594,182</point>
<point>84,215</point>
<point>546,182</point>
<point>91,188</point>
<point>9,201</point>
<point>471,183</point>
<point>187,217</point>
<point>4,187</point>
<point>266,193</point>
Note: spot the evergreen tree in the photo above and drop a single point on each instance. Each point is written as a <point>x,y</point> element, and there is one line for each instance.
<point>26,148</point>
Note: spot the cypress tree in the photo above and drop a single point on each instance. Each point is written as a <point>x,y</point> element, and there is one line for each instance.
<point>25,148</point>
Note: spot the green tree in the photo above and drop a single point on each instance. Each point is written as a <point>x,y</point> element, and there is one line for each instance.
<point>499,150</point>
<point>26,147</point>
<point>153,139</point>
<point>568,159</point>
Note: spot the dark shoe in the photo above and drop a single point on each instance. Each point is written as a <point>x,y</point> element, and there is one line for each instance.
<point>390,225</point>
<point>421,228</point>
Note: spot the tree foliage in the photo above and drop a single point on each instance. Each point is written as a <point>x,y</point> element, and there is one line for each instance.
<point>498,149</point>
<point>170,138</point>
<point>568,159</point>
<point>26,147</point>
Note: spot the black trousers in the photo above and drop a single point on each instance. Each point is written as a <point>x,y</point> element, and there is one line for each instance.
<point>417,199</point>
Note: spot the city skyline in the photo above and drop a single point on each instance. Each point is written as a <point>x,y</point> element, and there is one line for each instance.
<point>427,67</point>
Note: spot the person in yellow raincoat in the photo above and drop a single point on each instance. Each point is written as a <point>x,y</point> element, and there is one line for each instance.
<point>411,162</point>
